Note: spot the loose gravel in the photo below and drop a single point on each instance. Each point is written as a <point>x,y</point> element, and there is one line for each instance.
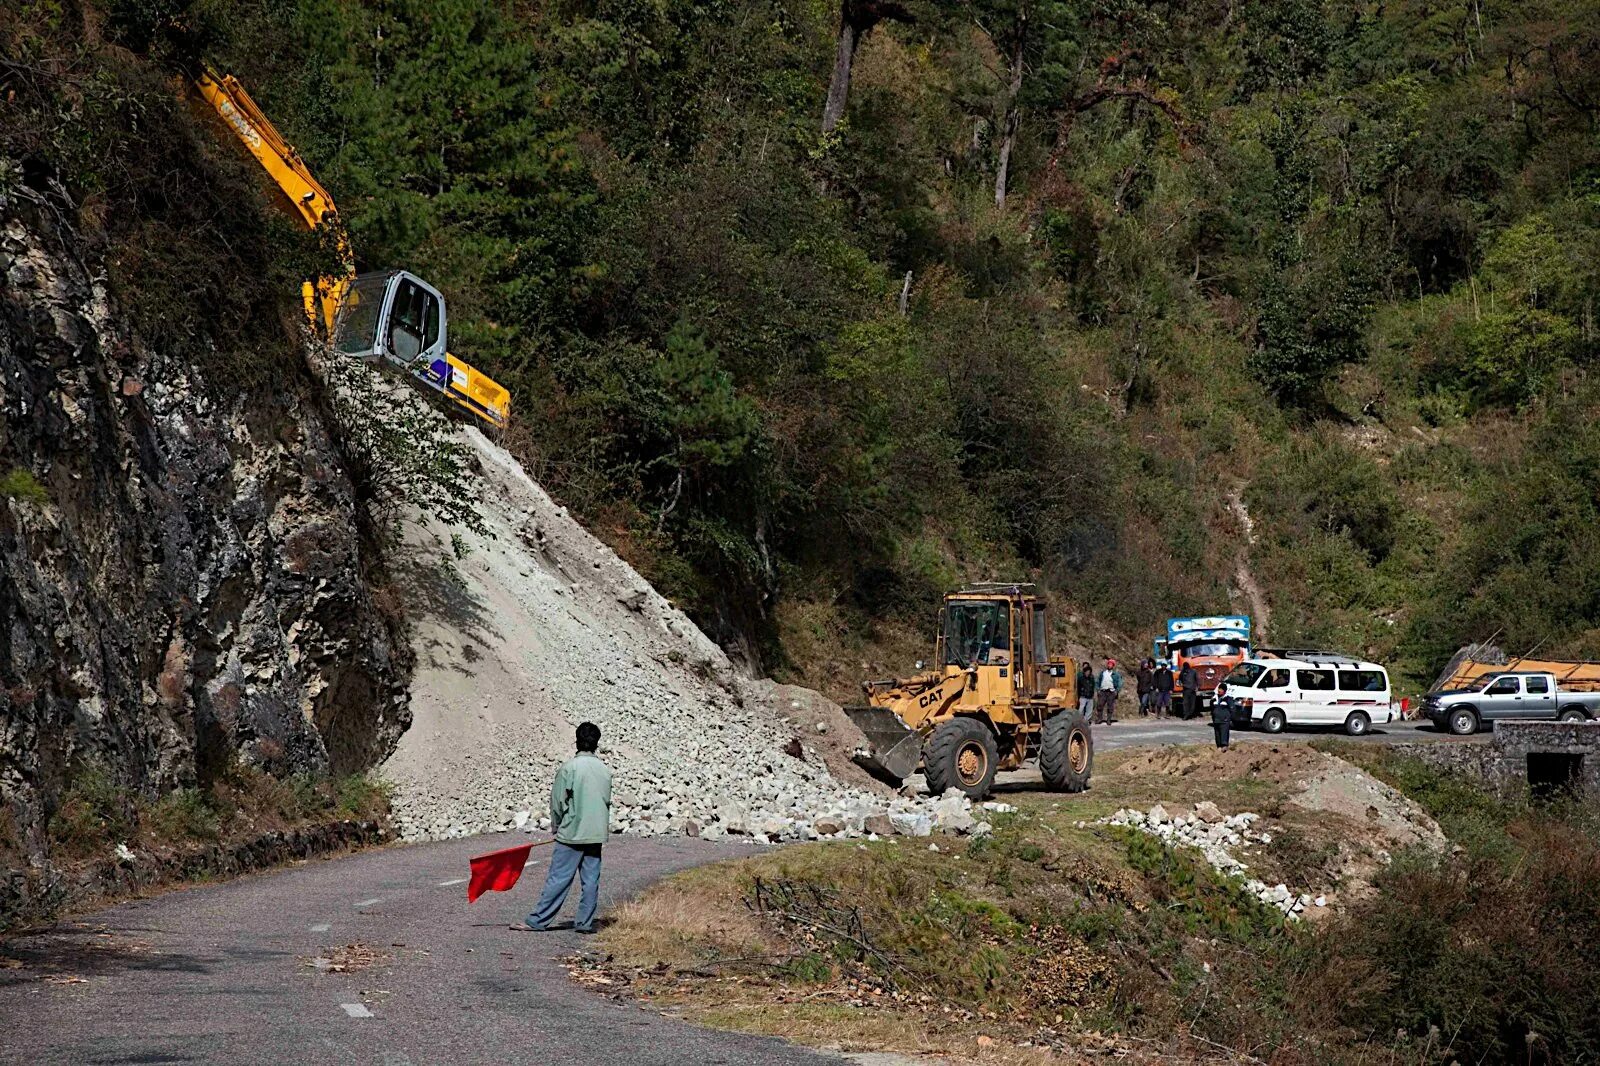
<point>523,633</point>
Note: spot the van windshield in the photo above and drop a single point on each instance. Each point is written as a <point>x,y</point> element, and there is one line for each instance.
<point>1244,675</point>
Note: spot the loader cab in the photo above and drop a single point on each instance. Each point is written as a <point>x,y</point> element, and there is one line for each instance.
<point>1002,640</point>
<point>395,316</point>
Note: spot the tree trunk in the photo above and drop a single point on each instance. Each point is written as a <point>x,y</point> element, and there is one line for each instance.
<point>839,87</point>
<point>1013,116</point>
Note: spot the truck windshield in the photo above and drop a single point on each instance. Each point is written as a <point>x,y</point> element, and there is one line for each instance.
<point>1216,649</point>
<point>357,331</point>
<point>972,629</point>
<point>1244,675</point>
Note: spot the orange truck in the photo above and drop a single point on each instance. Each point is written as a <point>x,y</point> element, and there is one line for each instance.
<point>1213,645</point>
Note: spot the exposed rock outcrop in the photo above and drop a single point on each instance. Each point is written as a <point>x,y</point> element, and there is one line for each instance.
<point>183,577</point>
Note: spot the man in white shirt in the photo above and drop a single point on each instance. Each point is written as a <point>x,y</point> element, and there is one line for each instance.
<point>1105,696</point>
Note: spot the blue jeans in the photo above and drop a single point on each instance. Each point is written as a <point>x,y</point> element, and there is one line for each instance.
<point>565,861</point>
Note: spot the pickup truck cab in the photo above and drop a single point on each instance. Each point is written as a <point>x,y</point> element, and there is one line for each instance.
<point>1512,695</point>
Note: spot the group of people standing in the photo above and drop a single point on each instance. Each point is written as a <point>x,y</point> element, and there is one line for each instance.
<point>1154,682</point>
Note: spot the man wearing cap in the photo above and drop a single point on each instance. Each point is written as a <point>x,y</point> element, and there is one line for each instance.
<point>1105,696</point>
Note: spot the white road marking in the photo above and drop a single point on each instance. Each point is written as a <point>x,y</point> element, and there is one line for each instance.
<point>370,902</point>
<point>321,927</point>
<point>457,881</point>
<point>356,1010</point>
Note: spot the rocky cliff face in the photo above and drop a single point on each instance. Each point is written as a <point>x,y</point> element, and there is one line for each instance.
<point>183,580</point>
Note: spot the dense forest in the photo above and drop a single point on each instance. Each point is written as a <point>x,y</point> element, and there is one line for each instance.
<point>814,308</point>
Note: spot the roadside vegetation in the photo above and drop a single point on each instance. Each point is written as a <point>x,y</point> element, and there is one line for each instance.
<point>94,816</point>
<point>1051,938</point>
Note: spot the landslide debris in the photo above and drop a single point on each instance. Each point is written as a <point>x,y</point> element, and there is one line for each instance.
<point>533,625</point>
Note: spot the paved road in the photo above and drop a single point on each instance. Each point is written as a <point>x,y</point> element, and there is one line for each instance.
<point>1146,732</point>
<point>219,974</point>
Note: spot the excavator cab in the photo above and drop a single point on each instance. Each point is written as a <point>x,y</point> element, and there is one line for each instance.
<point>393,316</point>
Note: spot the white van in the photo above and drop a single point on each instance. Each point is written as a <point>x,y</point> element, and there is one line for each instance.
<point>1308,688</point>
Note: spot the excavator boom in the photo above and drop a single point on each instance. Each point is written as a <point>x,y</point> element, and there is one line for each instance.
<point>409,334</point>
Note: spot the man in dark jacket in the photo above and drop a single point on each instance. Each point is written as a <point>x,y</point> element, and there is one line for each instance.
<point>1189,681</point>
<point>1145,685</point>
<point>1085,689</point>
<point>1221,722</point>
<point>1161,698</point>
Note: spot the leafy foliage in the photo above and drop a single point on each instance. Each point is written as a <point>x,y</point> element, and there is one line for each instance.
<point>1337,258</point>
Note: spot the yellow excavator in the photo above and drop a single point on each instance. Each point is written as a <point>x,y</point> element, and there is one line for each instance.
<point>391,316</point>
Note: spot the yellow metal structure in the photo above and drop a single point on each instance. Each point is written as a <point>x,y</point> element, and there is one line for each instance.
<point>1571,675</point>
<point>993,700</point>
<point>325,299</point>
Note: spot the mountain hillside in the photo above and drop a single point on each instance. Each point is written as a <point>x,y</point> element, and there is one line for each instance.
<point>1060,291</point>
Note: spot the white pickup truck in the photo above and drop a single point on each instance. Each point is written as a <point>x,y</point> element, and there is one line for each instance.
<point>1513,695</point>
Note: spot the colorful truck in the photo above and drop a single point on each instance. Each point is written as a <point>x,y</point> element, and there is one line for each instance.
<point>1213,645</point>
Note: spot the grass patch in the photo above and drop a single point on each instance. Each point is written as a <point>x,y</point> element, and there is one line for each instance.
<point>20,484</point>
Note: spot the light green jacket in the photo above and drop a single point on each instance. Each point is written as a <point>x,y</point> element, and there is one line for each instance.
<point>580,800</point>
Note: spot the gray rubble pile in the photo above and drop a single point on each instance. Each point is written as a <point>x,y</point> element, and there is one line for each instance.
<point>532,625</point>
<point>1212,834</point>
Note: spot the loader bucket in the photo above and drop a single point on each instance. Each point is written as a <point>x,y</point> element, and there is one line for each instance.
<point>892,751</point>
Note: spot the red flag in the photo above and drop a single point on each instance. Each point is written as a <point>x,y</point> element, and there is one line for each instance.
<point>497,871</point>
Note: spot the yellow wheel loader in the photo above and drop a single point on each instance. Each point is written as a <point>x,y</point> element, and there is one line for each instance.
<point>993,700</point>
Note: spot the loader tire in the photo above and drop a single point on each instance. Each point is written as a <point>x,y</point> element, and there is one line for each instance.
<point>961,754</point>
<point>1066,752</point>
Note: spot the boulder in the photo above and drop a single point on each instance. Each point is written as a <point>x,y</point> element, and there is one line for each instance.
<point>911,824</point>
<point>1208,812</point>
<point>878,825</point>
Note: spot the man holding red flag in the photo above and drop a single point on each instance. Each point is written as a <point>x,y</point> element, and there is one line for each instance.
<point>580,815</point>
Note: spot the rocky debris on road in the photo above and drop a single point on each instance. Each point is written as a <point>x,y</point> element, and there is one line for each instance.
<point>1212,833</point>
<point>533,626</point>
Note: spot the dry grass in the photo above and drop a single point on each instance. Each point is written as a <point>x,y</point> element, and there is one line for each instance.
<point>688,920</point>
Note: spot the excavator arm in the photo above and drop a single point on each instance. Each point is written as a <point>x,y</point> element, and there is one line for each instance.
<point>398,328</point>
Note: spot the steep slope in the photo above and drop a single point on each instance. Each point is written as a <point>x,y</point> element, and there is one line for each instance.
<point>539,626</point>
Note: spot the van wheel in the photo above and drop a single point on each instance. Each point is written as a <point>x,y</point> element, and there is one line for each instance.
<point>1464,722</point>
<point>1066,752</point>
<point>1273,721</point>
<point>961,754</point>
<point>1574,716</point>
<point>1357,724</point>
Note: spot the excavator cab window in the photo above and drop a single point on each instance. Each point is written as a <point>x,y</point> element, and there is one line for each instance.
<point>359,315</point>
<point>413,321</point>
<point>972,629</point>
<point>1041,653</point>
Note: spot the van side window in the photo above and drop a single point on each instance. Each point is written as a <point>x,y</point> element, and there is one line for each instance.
<point>1361,681</point>
<point>1503,686</point>
<point>1278,678</point>
<point>1315,680</point>
<point>1538,684</point>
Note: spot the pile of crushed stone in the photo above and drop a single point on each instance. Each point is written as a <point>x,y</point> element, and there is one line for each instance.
<point>1214,835</point>
<point>523,633</point>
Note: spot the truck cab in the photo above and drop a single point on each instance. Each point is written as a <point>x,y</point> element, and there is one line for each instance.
<point>1510,695</point>
<point>1213,645</point>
